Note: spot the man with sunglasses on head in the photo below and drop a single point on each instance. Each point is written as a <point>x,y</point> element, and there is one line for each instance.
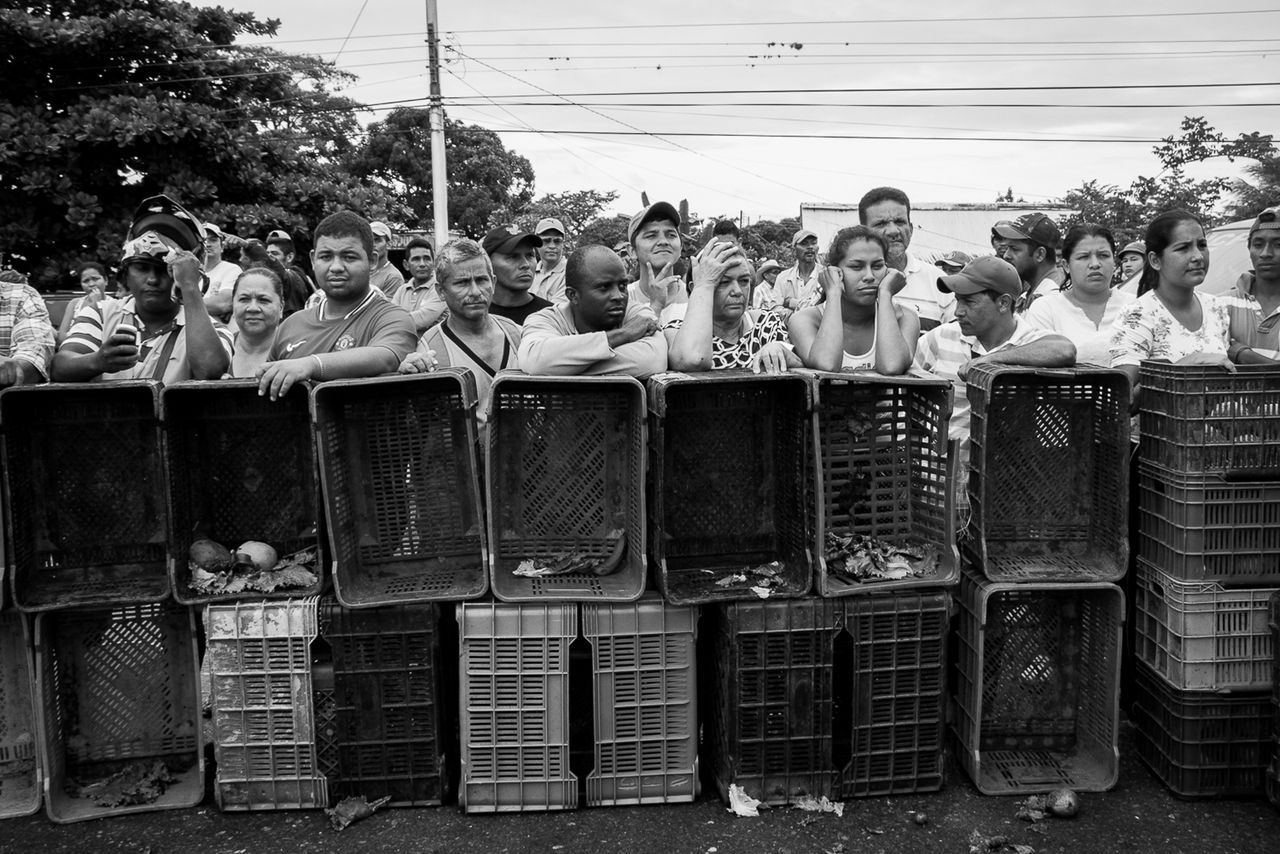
<point>1254,301</point>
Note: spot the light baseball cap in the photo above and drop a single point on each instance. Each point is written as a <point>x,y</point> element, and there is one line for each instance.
<point>801,236</point>
<point>380,228</point>
<point>550,224</point>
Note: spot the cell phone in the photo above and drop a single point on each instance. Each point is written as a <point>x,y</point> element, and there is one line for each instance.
<point>130,329</point>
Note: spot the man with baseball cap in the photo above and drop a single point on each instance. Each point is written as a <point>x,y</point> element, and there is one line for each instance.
<point>597,330</point>
<point>281,247</point>
<point>1254,300</point>
<point>222,274</point>
<point>654,235</point>
<point>764,295</point>
<point>1030,243</point>
<point>797,286</point>
<point>384,276</point>
<point>987,330</point>
<point>514,254</point>
<point>953,262</point>
<point>161,330</point>
<point>1133,260</point>
<point>887,212</point>
<point>548,282</point>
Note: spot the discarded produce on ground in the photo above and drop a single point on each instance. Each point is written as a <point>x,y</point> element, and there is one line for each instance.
<point>135,784</point>
<point>575,561</point>
<point>253,567</point>
<point>1060,803</point>
<point>857,557</point>
<point>353,809</point>
<point>760,579</point>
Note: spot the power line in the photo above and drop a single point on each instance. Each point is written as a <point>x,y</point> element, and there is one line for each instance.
<point>871,57</point>
<point>1105,87</point>
<point>460,101</point>
<point>877,42</point>
<point>758,135</point>
<point>347,38</point>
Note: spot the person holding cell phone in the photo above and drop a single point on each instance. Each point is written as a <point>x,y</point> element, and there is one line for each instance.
<point>160,330</point>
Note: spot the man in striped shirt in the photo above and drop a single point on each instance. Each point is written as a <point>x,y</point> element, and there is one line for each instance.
<point>1254,301</point>
<point>26,335</point>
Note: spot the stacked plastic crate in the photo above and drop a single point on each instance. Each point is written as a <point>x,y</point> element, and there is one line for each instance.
<point>577,687</point>
<point>117,713</point>
<point>1039,630</point>
<point>1209,563</point>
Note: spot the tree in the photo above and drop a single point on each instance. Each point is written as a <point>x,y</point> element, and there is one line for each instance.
<point>604,231</point>
<point>484,177</point>
<point>575,209</point>
<point>106,102</point>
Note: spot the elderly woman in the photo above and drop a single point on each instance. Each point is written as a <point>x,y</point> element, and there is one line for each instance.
<point>717,330</point>
<point>858,326</point>
<point>469,336</point>
<point>257,305</point>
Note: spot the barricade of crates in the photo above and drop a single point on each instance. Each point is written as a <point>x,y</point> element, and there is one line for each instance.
<point>1040,628</point>
<point>1209,565</point>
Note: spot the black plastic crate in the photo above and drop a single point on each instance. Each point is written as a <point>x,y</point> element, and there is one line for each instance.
<point>19,760</point>
<point>240,467</point>
<point>400,470</point>
<point>1049,473</point>
<point>883,470</point>
<point>84,484</point>
<point>730,474</point>
<point>1203,419</point>
<point>1037,690</point>
<point>565,475</point>
<point>1202,744</point>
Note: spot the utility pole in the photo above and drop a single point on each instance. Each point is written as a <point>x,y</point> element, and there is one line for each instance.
<point>435,116</point>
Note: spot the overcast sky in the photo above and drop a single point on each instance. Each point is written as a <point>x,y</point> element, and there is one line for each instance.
<point>506,60</point>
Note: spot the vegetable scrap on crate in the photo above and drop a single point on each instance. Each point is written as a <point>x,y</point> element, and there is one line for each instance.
<point>862,558</point>
<point>760,579</point>
<point>564,563</point>
<point>135,784</point>
<point>253,567</point>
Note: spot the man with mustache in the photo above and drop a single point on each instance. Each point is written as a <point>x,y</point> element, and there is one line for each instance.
<point>514,255</point>
<point>887,212</point>
<point>797,286</point>
<point>598,330</point>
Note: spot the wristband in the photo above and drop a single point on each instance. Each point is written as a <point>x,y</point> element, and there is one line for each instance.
<point>319,367</point>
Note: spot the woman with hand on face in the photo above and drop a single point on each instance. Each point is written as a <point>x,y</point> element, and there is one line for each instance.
<point>257,305</point>
<point>1086,313</point>
<point>93,281</point>
<point>858,326</point>
<point>718,331</point>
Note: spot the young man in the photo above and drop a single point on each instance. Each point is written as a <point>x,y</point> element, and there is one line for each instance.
<point>597,330</point>
<point>1030,243</point>
<point>280,246</point>
<point>987,330</point>
<point>1133,260</point>
<point>420,295</point>
<point>549,281</point>
<point>153,333</point>
<point>1254,301</point>
<point>221,274</point>
<point>353,331</point>
<point>797,286</point>
<point>887,212</point>
<point>26,334</point>
<point>654,235</point>
<point>297,285</point>
<point>513,253</point>
<point>384,276</point>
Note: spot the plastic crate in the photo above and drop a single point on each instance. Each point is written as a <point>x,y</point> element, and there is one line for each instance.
<point>645,702</point>
<point>240,467</point>
<point>564,473</point>
<point>1204,528</point>
<point>882,469</point>
<point>84,485</point>
<point>1199,743</point>
<point>259,658</point>
<point>398,461</point>
<point>117,687</point>
<point>1200,636</point>
<point>387,731</point>
<point>1203,419</point>
<point>1049,473</point>
<point>1037,688</point>
<point>514,703</point>
<point>771,728</point>
<point>19,760</point>
<point>897,693</point>
<point>728,455</point>
<point>1273,780</point>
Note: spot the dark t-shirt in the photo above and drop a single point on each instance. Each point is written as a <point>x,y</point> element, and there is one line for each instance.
<point>517,314</point>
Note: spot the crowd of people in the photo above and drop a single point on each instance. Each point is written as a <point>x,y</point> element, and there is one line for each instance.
<point>518,299</point>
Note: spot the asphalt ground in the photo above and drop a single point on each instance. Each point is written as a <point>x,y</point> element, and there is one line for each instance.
<point>1138,816</point>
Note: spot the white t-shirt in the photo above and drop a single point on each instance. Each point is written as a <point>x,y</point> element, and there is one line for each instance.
<point>921,292</point>
<point>1057,313</point>
<point>223,275</point>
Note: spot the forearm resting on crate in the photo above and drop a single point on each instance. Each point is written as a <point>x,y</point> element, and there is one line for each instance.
<point>1051,351</point>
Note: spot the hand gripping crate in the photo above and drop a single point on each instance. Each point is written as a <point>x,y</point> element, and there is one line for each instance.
<point>19,759</point>
<point>729,476</point>
<point>895,678</point>
<point>770,730</point>
<point>1206,528</point>
<point>401,480</point>
<point>1200,636</point>
<point>1200,420</point>
<point>1202,743</point>
<point>84,487</point>
<point>564,475</point>
<point>240,467</point>
<point>1049,463</point>
<point>381,727</point>
<point>644,678</point>
<point>260,662</point>
<point>882,470</point>
<point>514,706</point>
<point>118,696</point>
<point>1037,688</point>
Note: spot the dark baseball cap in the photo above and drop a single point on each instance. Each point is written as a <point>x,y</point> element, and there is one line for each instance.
<point>1137,247</point>
<point>170,220</point>
<point>1268,220</point>
<point>987,273</point>
<point>506,238</point>
<point>1035,227</point>
<point>657,210</point>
